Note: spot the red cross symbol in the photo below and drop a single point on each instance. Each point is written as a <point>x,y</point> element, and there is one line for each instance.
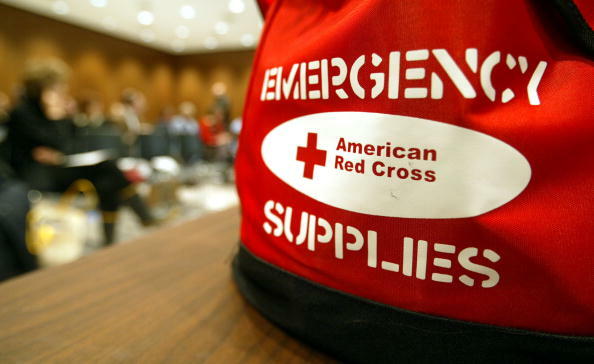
<point>311,155</point>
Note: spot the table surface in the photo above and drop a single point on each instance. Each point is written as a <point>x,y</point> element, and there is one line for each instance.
<point>167,296</point>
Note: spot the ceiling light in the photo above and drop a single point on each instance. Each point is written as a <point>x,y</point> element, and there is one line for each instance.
<point>211,43</point>
<point>221,28</point>
<point>247,40</point>
<point>187,12</point>
<point>99,3</point>
<point>147,36</point>
<point>236,6</point>
<point>145,17</point>
<point>60,7</point>
<point>109,23</point>
<point>178,45</point>
<point>182,32</point>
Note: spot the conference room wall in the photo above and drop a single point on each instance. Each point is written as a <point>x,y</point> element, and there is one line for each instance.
<point>197,73</point>
<point>105,65</point>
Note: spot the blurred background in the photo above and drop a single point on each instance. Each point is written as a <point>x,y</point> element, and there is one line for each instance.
<point>116,118</point>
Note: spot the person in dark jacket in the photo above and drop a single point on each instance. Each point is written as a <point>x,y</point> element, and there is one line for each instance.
<point>15,258</point>
<point>40,137</point>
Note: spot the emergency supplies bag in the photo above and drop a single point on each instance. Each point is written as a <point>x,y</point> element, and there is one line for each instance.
<point>416,179</point>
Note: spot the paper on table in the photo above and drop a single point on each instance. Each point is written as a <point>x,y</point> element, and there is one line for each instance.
<point>87,158</point>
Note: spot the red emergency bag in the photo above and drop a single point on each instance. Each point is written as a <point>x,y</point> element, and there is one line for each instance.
<point>416,179</point>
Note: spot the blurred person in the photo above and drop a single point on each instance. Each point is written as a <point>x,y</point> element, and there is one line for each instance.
<point>115,122</point>
<point>4,107</point>
<point>41,135</point>
<point>116,112</point>
<point>235,126</point>
<point>133,106</point>
<point>182,131</point>
<point>186,126</point>
<point>169,146</point>
<point>235,130</point>
<point>15,258</point>
<point>221,104</point>
<point>185,122</point>
<point>164,120</point>
<point>165,116</point>
<point>218,143</point>
<point>71,107</point>
<point>93,129</point>
<point>214,136</point>
<point>91,112</point>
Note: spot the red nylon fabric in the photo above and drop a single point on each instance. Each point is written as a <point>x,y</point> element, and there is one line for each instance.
<point>544,236</point>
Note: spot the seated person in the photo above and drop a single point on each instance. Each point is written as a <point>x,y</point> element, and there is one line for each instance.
<point>4,107</point>
<point>90,112</point>
<point>215,138</point>
<point>15,259</point>
<point>40,135</point>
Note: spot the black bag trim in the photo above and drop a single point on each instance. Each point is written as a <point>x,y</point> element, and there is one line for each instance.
<point>354,329</point>
<point>578,25</point>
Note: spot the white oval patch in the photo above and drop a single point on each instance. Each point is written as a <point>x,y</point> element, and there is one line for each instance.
<point>397,166</point>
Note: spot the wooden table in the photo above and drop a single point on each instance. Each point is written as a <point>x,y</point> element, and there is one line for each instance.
<point>167,297</point>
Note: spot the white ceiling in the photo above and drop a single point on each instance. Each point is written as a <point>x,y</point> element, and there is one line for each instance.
<point>215,25</point>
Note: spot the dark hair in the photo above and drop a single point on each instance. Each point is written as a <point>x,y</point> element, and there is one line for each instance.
<point>41,74</point>
<point>129,95</point>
